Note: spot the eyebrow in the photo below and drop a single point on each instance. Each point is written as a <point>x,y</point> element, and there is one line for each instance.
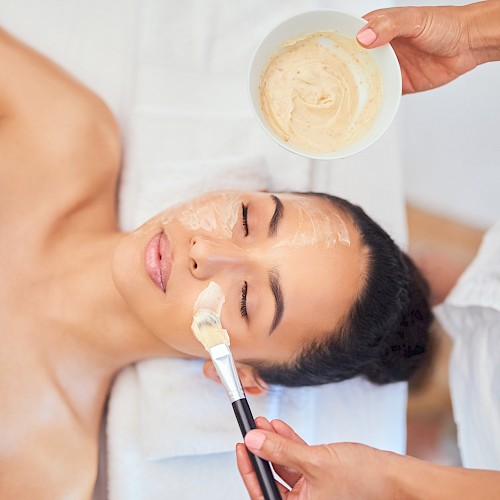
<point>276,218</point>
<point>275,284</point>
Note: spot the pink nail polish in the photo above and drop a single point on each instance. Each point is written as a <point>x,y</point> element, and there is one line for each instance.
<point>366,37</point>
<point>255,439</point>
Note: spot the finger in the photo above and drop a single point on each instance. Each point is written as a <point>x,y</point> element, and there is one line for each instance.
<point>263,423</point>
<point>288,474</point>
<point>386,24</point>
<point>279,450</point>
<point>375,13</point>
<point>248,475</point>
<point>283,429</point>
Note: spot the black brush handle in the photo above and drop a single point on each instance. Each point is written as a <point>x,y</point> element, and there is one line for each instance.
<point>261,467</point>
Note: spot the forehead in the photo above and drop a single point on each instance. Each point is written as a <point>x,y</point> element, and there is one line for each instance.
<point>319,287</point>
<point>313,220</point>
<point>321,269</point>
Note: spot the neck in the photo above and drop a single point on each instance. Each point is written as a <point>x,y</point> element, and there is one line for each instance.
<point>95,334</point>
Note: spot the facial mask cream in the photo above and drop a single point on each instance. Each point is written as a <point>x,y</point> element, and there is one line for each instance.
<point>218,214</point>
<point>206,325</point>
<point>315,226</point>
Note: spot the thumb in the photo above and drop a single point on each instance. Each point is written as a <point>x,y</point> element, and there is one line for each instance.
<point>279,450</point>
<point>386,24</point>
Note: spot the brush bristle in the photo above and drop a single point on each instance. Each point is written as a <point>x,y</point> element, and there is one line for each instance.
<point>208,330</point>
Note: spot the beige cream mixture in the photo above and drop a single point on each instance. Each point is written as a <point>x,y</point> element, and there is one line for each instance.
<point>321,92</point>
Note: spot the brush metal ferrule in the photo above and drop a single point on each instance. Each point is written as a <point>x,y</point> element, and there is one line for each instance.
<point>224,364</point>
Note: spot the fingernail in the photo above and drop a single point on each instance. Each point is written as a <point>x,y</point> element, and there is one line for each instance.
<point>255,439</point>
<point>366,37</point>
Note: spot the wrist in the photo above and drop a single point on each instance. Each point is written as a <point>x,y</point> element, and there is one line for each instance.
<point>411,478</point>
<point>483,28</point>
<point>415,479</point>
<point>398,476</point>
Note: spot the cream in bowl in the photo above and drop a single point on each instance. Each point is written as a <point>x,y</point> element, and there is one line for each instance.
<point>321,92</point>
<point>317,92</point>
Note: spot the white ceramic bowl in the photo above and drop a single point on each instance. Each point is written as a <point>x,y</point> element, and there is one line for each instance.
<point>346,25</point>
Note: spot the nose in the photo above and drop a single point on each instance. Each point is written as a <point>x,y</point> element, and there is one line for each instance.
<point>210,256</point>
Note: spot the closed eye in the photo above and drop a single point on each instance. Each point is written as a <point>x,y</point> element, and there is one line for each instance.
<point>244,218</point>
<point>243,306</point>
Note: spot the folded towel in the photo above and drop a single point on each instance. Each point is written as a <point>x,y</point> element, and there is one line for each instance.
<point>159,185</point>
<point>171,433</point>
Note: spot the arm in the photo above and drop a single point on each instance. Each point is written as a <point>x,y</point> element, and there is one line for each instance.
<point>484,22</point>
<point>431,481</point>
<point>435,45</point>
<point>356,471</point>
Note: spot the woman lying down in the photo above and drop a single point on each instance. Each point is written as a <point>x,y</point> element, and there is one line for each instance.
<point>315,291</point>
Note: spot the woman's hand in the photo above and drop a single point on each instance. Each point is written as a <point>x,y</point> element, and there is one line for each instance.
<point>354,471</point>
<point>435,45</point>
<point>344,470</point>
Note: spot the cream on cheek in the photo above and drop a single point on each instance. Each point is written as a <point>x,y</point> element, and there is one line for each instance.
<point>314,225</point>
<point>218,214</point>
<point>206,326</point>
<point>211,298</point>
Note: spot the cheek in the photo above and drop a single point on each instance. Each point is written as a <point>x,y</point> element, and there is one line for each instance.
<point>175,325</point>
<point>214,215</point>
<point>242,341</point>
<point>254,343</point>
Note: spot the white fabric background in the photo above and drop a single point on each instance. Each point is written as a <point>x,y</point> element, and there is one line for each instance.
<point>449,144</point>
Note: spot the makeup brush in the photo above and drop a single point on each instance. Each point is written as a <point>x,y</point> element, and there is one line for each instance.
<point>207,328</point>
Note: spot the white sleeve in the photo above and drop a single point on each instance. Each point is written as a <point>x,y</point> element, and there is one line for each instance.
<point>471,315</point>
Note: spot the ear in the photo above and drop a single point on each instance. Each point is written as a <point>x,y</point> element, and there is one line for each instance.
<point>252,384</point>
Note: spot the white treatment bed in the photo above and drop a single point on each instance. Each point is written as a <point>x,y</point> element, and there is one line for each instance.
<point>174,73</point>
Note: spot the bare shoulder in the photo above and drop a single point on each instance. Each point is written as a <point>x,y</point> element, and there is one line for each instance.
<point>59,142</point>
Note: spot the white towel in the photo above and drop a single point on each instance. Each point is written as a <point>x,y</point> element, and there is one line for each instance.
<point>171,432</point>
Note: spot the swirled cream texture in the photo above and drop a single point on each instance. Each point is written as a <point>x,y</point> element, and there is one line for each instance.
<point>321,92</point>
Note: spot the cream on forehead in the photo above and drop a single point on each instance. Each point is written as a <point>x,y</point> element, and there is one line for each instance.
<point>218,213</point>
<point>315,226</point>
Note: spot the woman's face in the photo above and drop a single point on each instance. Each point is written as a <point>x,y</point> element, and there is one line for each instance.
<point>289,266</point>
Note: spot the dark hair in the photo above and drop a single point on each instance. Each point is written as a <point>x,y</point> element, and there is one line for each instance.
<point>385,335</point>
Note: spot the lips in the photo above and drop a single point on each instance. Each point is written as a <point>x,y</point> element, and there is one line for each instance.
<point>158,259</point>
